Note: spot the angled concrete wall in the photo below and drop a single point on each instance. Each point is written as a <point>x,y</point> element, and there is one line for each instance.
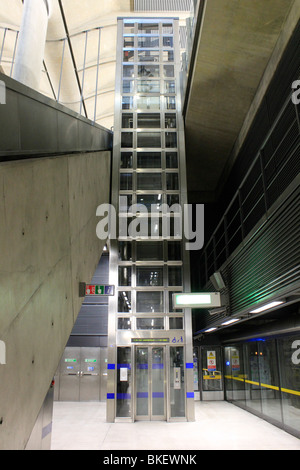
<point>48,245</point>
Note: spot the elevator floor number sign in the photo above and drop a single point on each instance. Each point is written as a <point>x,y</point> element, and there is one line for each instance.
<point>211,360</point>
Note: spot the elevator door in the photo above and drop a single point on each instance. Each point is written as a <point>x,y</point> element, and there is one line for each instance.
<point>150,383</point>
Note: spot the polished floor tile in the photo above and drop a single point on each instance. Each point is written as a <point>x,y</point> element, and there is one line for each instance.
<point>218,426</point>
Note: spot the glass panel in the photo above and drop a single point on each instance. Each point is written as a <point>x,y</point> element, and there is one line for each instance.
<point>125,202</point>
<point>151,201</point>
<point>171,160</point>
<point>167,28</point>
<point>170,102</point>
<point>126,160</point>
<point>168,71</point>
<point>125,181</point>
<point>149,276</point>
<point>127,121</point>
<point>124,324</point>
<point>174,276</point>
<point>172,199</point>
<point>148,28</point>
<point>269,379</point>
<point>128,71</point>
<point>171,139</point>
<point>148,102</point>
<point>149,181</point>
<point>168,41</point>
<point>147,302</point>
<point>176,323</point>
<point>142,381</point>
<point>168,56</point>
<point>174,251</point>
<point>128,28</point>
<point>125,251</point>
<point>148,56</point>
<point>172,181</point>
<point>158,382</point>
<point>126,139</point>
<point>237,374</point>
<point>177,388</point>
<point>149,251</point>
<point>128,86</point>
<point>151,226</point>
<point>123,382</point>
<point>211,369</point>
<point>150,70</point>
<point>124,302</point>
<point>128,41</point>
<point>148,42</point>
<point>171,308</point>
<point>150,323</point>
<point>148,120</point>
<point>148,86</point>
<point>289,357</point>
<point>127,102</point>
<point>124,276</point>
<point>253,389</point>
<point>149,160</point>
<point>170,120</point>
<point>170,86</point>
<point>149,139</point>
<point>128,56</point>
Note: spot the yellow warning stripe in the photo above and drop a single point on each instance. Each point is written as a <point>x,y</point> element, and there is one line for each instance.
<point>273,387</point>
<point>287,390</point>
<point>207,377</point>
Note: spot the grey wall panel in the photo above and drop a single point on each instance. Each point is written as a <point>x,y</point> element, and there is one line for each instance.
<point>33,124</point>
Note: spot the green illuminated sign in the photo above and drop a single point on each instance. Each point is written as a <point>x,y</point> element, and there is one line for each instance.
<point>150,340</point>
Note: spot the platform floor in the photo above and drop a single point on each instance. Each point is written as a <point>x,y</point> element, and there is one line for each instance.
<point>218,426</point>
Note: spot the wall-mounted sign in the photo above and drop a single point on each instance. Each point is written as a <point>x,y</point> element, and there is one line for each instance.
<point>197,300</point>
<point>211,360</point>
<point>95,289</point>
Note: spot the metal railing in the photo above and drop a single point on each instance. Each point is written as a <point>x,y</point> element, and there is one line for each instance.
<point>273,168</point>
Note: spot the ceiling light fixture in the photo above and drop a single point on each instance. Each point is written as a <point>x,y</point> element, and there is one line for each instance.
<point>210,329</point>
<point>228,322</point>
<point>267,306</point>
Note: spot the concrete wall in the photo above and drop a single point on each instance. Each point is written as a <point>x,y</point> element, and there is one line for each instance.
<point>48,245</point>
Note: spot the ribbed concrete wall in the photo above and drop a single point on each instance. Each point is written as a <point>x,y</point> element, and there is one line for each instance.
<point>48,245</point>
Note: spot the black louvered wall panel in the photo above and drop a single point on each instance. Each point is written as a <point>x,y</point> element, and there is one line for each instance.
<point>269,263</point>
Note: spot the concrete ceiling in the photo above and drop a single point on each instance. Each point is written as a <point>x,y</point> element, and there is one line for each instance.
<point>236,43</point>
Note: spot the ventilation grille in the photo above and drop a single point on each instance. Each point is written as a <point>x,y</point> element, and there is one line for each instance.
<point>162,5</point>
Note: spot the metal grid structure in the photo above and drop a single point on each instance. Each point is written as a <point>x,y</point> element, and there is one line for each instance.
<point>149,170</point>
